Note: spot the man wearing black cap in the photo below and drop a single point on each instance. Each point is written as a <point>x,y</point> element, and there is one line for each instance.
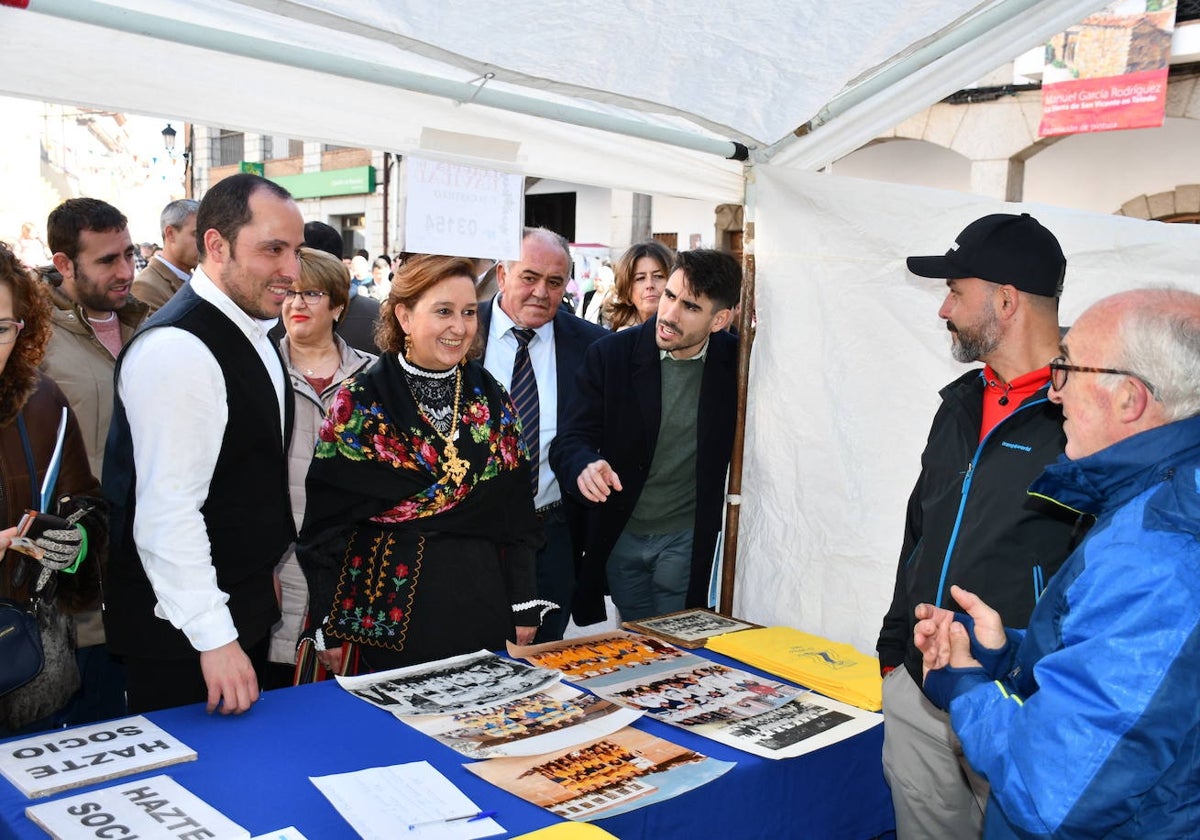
<point>970,521</point>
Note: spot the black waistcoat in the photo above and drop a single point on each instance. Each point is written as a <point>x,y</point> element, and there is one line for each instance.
<point>247,513</point>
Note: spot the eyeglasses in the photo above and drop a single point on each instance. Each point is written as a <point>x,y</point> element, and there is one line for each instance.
<point>309,295</point>
<point>1059,369</point>
<point>10,329</point>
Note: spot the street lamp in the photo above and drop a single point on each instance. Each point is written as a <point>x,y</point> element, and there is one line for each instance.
<point>168,135</point>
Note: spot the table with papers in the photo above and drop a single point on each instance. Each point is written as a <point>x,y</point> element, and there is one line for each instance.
<point>255,769</point>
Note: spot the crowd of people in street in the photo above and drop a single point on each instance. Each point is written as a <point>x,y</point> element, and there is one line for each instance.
<point>258,444</point>
<point>283,446</point>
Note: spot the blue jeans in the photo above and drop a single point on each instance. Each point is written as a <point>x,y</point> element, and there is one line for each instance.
<point>648,575</point>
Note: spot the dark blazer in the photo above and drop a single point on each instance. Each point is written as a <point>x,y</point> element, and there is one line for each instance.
<point>616,417</point>
<point>572,337</point>
<point>357,327</point>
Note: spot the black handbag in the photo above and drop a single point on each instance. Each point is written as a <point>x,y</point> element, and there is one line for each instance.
<point>57,678</point>
<point>21,657</point>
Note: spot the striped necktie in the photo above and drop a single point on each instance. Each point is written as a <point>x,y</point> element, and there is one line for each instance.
<point>525,398</point>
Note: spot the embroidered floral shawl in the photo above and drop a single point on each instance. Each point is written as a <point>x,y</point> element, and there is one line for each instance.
<point>378,468</point>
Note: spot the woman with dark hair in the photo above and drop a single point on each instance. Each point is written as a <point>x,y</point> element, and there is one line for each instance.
<point>641,276</point>
<point>317,362</point>
<point>419,536</point>
<point>31,410</point>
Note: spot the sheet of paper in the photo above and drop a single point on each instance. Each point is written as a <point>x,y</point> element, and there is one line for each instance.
<point>289,833</point>
<point>404,800</point>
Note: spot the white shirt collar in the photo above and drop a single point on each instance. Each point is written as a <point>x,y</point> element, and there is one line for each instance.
<point>253,327</point>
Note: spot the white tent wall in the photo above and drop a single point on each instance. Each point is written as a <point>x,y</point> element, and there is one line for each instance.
<point>848,358</point>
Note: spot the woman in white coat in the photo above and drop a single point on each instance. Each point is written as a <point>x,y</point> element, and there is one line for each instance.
<point>317,361</point>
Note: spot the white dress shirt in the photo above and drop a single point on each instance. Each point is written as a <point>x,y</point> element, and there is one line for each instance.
<point>498,359</point>
<point>175,400</point>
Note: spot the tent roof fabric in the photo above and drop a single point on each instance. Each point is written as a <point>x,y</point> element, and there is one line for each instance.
<point>333,70</point>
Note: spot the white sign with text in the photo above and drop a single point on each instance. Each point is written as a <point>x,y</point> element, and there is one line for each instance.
<point>462,210</point>
<point>158,807</point>
<point>67,758</point>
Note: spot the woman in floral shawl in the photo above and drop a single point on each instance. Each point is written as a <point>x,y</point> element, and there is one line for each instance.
<point>419,536</point>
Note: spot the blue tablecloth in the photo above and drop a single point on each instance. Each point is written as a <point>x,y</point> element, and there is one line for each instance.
<point>255,768</point>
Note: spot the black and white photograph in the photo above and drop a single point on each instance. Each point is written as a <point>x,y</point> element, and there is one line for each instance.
<point>448,686</point>
<point>688,628</point>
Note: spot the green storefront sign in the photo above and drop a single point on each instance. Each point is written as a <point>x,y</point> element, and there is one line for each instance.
<point>251,167</point>
<point>352,181</point>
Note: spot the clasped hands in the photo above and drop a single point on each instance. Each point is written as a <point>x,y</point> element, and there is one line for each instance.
<point>944,641</point>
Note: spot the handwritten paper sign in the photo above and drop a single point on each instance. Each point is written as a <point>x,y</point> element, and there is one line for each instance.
<point>462,210</point>
<point>63,759</point>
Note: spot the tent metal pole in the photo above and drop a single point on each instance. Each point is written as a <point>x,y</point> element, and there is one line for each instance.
<point>932,51</point>
<point>745,326</point>
<point>105,15</point>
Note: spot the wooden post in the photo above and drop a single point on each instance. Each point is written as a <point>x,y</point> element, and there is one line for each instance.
<point>733,508</point>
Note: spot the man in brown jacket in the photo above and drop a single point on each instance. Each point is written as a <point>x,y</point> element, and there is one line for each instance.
<point>94,313</point>
<point>169,269</point>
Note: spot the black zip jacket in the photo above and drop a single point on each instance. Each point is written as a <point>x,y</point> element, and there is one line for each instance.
<point>970,521</point>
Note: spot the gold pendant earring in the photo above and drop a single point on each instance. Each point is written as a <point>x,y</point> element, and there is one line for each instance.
<point>407,346</point>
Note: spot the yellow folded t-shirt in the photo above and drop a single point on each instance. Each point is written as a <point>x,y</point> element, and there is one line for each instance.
<point>835,669</point>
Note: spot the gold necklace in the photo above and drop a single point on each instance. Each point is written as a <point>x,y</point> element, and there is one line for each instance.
<point>453,467</point>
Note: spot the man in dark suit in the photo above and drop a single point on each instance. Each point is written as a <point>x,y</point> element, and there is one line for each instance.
<point>648,441</point>
<point>534,349</point>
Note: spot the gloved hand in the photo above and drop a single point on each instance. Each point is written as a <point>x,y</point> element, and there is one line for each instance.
<point>59,540</point>
<point>58,544</point>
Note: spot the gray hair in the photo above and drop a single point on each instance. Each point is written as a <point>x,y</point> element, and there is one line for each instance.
<point>177,212</point>
<point>1161,342</point>
<point>550,238</point>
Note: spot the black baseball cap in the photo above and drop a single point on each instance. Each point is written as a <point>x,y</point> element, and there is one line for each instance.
<point>1002,248</point>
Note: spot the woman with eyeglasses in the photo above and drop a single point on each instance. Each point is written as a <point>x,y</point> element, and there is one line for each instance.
<point>31,410</point>
<point>317,361</point>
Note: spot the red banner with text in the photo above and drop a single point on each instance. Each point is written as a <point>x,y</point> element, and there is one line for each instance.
<point>1109,71</point>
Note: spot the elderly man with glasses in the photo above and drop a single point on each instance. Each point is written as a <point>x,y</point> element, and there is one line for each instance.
<point>970,521</point>
<point>1087,724</point>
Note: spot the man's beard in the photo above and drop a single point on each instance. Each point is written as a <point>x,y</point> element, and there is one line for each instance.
<point>971,344</point>
<point>91,296</point>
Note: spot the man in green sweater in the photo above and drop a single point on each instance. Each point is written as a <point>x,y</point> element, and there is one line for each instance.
<point>647,445</point>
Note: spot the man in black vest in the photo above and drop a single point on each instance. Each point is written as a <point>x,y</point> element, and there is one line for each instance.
<point>196,464</point>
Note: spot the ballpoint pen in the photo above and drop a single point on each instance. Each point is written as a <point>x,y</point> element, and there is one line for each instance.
<point>478,815</point>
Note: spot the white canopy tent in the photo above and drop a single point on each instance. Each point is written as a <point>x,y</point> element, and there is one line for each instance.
<point>399,74</point>
<point>654,97</point>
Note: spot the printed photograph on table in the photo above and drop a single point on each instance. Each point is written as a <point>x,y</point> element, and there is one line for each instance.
<point>537,723</point>
<point>707,693</point>
<point>809,722</point>
<point>593,657</point>
<point>621,772</point>
<point>688,628</point>
<point>457,684</point>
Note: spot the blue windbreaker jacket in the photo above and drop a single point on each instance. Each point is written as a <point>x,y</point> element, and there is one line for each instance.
<point>1093,728</point>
